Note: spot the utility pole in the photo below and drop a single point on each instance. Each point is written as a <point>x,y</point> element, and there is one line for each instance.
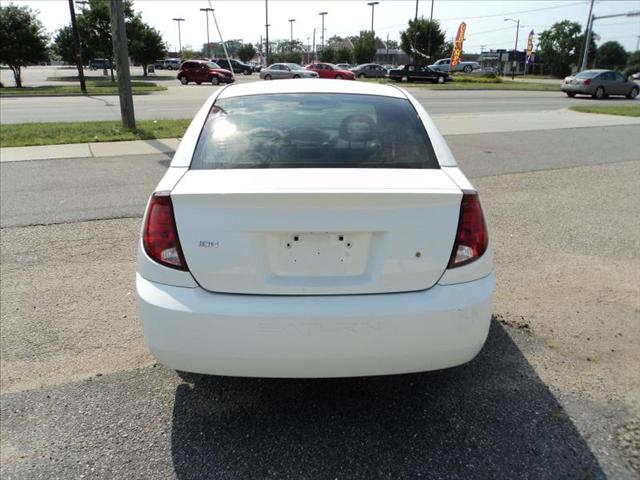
<point>121,54</point>
<point>224,46</point>
<point>322,14</point>
<point>587,37</point>
<point>373,6</point>
<point>76,41</point>
<point>635,13</point>
<point>266,26</point>
<point>206,14</point>
<point>429,32</point>
<point>515,48</point>
<point>179,35</point>
<point>415,30</point>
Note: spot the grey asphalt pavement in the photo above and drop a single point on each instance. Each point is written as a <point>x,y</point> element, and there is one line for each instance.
<point>554,394</point>
<point>184,101</point>
<point>119,187</point>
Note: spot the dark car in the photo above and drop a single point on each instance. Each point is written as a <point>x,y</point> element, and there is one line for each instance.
<point>412,73</point>
<point>369,70</point>
<point>599,84</point>
<point>101,64</point>
<point>236,66</point>
<point>200,71</point>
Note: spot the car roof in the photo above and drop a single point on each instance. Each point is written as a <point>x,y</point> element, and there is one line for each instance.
<point>312,85</point>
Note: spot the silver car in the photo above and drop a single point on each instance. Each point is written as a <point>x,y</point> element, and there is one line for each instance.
<point>599,84</point>
<point>277,71</point>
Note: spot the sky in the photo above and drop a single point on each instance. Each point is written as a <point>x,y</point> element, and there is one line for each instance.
<point>486,27</point>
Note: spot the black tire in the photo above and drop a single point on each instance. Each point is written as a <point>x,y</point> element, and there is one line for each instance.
<point>599,93</point>
<point>267,77</point>
<point>441,80</point>
<point>338,77</point>
<point>296,76</point>
<point>183,80</point>
<point>215,80</point>
<point>467,69</point>
<point>362,75</point>
<point>633,93</point>
<point>404,79</point>
<point>571,94</point>
<point>247,72</point>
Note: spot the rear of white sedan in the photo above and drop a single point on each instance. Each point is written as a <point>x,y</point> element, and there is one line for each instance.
<point>314,229</point>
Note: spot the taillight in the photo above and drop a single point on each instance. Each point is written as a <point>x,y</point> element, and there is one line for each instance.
<point>472,237</point>
<point>587,81</point>
<point>160,236</point>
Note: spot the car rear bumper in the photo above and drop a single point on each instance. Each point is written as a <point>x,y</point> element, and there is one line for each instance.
<point>197,331</point>
<point>584,89</point>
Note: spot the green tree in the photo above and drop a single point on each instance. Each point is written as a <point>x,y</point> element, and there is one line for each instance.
<point>560,47</point>
<point>364,48</point>
<point>328,54</point>
<point>391,44</point>
<point>633,63</point>
<point>146,44</point>
<point>246,52</point>
<point>334,42</point>
<point>62,45</point>
<point>611,55</point>
<point>23,40</point>
<point>445,51</point>
<point>94,25</point>
<point>421,31</point>
<point>343,55</point>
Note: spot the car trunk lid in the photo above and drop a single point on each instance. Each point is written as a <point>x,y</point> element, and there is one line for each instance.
<point>316,231</point>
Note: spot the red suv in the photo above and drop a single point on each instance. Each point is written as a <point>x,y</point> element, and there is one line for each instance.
<point>203,71</point>
<point>329,70</point>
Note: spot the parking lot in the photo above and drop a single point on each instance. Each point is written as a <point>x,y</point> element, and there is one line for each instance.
<point>555,393</point>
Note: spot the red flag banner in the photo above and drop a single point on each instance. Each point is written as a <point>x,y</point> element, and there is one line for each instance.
<point>457,46</point>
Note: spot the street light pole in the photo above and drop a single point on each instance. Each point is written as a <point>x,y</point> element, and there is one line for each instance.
<point>206,14</point>
<point>76,41</point>
<point>291,20</point>
<point>515,48</point>
<point>322,14</point>
<point>179,34</point>
<point>373,6</point>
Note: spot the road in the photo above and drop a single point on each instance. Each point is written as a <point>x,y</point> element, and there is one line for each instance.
<point>184,101</point>
<point>554,394</point>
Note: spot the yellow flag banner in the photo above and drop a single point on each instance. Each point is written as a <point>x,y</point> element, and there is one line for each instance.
<point>457,46</point>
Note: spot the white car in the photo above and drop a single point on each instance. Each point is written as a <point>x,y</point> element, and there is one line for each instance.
<point>308,228</point>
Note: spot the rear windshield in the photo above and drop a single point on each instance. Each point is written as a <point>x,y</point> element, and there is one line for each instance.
<point>313,131</point>
<point>588,74</point>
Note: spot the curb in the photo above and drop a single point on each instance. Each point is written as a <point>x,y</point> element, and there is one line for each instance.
<point>89,150</point>
<point>31,95</point>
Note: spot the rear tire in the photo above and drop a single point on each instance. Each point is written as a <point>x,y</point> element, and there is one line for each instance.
<point>599,93</point>
<point>267,77</point>
<point>571,94</point>
<point>633,93</point>
<point>467,69</point>
<point>362,75</point>
<point>441,79</point>
<point>183,80</point>
<point>215,80</point>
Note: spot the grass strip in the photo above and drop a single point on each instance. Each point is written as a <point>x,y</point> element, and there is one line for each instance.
<point>625,110</point>
<point>479,84</point>
<point>54,133</point>
<point>93,88</point>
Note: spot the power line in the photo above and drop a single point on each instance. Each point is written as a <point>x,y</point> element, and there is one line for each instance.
<point>512,13</point>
